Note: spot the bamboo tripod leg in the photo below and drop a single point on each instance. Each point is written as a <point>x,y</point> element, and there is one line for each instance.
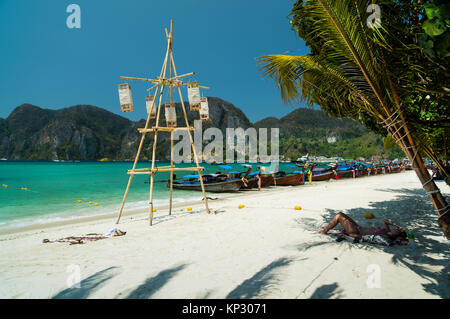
<point>153,163</point>
<point>124,199</point>
<point>163,74</point>
<point>131,178</point>
<point>171,172</point>
<point>171,137</point>
<point>150,217</point>
<point>190,137</point>
<point>151,200</point>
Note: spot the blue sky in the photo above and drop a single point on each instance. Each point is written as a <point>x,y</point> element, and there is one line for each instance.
<point>45,63</point>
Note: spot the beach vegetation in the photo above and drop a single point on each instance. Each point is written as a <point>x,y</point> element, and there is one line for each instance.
<point>383,77</point>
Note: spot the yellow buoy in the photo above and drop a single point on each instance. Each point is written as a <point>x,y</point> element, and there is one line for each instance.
<point>241,206</point>
<point>298,207</point>
<point>96,204</point>
<point>154,210</point>
<point>90,203</point>
<point>79,201</point>
<point>369,215</point>
<point>189,209</point>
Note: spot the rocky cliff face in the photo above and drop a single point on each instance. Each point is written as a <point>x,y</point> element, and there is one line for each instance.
<point>86,132</point>
<point>313,123</point>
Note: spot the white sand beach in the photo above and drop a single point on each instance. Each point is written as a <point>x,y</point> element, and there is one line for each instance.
<point>265,250</point>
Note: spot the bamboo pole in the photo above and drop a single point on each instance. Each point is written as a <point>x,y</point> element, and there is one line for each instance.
<point>157,169</point>
<point>171,141</point>
<point>139,79</point>
<point>412,152</point>
<point>160,84</point>
<point>155,141</point>
<point>147,169</point>
<point>171,172</point>
<point>141,143</point>
<point>165,129</point>
<point>190,137</point>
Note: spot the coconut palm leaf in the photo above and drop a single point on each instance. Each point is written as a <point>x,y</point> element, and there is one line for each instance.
<point>347,74</point>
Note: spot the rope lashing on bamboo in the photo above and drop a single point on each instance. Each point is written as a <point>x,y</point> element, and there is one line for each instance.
<point>423,185</point>
<point>398,129</point>
<point>384,122</point>
<point>444,208</point>
<point>433,192</point>
<point>401,138</point>
<point>417,151</point>
<point>441,215</point>
<point>388,126</point>
<point>392,122</point>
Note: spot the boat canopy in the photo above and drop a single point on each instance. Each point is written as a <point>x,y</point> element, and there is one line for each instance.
<point>253,174</point>
<point>191,176</point>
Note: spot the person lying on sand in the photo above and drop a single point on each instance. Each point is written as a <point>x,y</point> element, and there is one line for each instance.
<point>352,229</point>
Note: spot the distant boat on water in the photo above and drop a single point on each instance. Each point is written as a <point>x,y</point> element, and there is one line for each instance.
<point>215,183</point>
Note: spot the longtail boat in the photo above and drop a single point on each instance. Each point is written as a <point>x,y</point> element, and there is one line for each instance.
<point>322,173</point>
<point>362,171</point>
<point>255,180</point>
<point>283,179</point>
<point>214,183</point>
<point>321,176</point>
<point>344,171</point>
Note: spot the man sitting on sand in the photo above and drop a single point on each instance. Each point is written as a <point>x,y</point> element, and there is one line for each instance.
<point>352,229</point>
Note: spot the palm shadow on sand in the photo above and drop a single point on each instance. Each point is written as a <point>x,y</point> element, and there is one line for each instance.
<point>412,210</point>
<point>261,282</point>
<point>87,286</point>
<point>153,284</point>
<point>327,292</point>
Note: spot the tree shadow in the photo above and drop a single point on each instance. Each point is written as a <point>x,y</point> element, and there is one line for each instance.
<point>88,285</point>
<point>205,295</point>
<point>412,210</point>
<point>262,281</point>
<point>165,218</point>
<point>327,292</point>
<point>153,284</point>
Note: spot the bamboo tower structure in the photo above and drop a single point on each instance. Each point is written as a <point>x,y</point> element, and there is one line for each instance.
<point>173,83</point>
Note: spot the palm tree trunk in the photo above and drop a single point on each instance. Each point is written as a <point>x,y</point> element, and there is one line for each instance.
<point>433,192</point>
<point>411,150</point>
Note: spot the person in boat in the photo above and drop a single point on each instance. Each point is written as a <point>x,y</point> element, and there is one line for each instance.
<point>352,229</point>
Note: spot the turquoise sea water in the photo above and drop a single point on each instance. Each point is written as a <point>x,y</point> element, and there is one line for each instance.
<point>53,188</point>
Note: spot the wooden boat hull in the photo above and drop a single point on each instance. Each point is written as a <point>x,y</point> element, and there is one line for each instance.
<point>396,169</point>
<point>289,180</point>
<point>322,177</point>
<point>363,172</point>
<point>219,187</point>
<point>253,183</point>
<point>344,174</point>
